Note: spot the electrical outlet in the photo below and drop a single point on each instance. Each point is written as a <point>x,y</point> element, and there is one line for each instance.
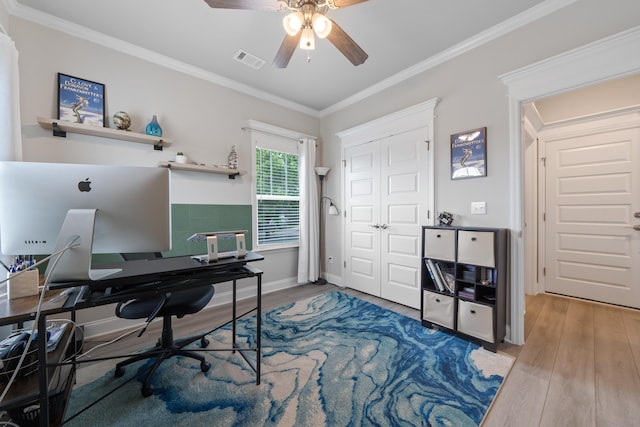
<point>330,259</point>
<point>478,208</point>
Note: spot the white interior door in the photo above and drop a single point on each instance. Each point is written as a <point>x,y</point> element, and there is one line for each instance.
<point>403,205</point>
<point>362,196</point>
<point>592,197</point>
<point>387,202</point>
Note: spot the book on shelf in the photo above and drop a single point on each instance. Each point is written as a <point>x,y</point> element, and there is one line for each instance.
<point>450,280</point>
<point>431,266</point>
<point>467,292</point>
<point>442,278</point>
<point>433,277</point>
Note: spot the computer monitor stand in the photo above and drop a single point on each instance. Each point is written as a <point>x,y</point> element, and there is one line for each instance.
<point>74,264</point>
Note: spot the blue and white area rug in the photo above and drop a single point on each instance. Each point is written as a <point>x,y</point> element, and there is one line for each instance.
<point>330,360</point>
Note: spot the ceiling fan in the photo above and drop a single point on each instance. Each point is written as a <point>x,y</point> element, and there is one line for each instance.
<point>306,17</point>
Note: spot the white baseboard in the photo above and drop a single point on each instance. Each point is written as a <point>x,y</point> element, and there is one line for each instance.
<point>335,279</point>
<point>115,324</point>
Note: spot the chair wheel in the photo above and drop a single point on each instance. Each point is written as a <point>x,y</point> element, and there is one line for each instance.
<point>204,366</point>
<point>204,343</point>
<point>146,391</point>
<point>119,372</point>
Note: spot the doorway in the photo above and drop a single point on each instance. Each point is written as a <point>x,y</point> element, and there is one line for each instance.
<point>600,61</point>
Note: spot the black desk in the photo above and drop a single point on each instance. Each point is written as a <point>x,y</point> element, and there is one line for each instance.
<point>142,278</point>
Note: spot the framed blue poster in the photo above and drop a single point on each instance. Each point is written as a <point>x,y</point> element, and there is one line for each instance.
<point>469,154</point>
<point>80,101</point>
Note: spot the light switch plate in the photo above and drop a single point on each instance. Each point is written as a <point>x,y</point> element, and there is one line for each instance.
<point>478,208</point>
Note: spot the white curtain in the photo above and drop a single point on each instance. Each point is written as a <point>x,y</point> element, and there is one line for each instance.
<point>10,137</point>
<point>309,249</point>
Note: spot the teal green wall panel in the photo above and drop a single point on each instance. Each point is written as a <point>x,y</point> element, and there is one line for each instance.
<point>188,219</point>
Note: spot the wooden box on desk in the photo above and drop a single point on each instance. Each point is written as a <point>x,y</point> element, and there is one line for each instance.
<point>23,284</point>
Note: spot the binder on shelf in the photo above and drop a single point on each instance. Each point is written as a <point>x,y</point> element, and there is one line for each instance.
<point>442,278</point>
<point>434,275</point>
<point>427,263</point>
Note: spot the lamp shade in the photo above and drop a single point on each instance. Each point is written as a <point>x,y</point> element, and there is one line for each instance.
<point>333,210</point>
<point>307,41</point>
<point>293,22</point>
<point>322,171</point>
<point>321,24</point>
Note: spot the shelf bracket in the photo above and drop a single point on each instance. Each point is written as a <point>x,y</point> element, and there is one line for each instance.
<point>158,146</point>
<point>233,176</point>
<point>57,131</point>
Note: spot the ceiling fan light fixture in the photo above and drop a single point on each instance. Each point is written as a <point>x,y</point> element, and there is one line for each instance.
<point>307,41</point>
<point>293,22</point>
<point>321,24</point>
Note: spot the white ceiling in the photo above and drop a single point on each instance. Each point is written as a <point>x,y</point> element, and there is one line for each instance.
<point>401,37</point>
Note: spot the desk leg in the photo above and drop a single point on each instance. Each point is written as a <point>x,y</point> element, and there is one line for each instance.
<point>42,371</point>
<point>258,327</point>
<point>233,316</point>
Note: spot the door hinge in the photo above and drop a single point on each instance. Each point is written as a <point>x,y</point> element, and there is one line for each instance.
<point>544,217</point>
<point>544,161</point>
<point>344,264</point>
<point>344,163</point>
<point>428,144</point>
<point>428,214</point>
<point>544,271</point>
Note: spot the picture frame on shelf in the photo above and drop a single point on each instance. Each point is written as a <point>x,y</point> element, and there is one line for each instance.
<point>469,154</point>
<point>81,101</point>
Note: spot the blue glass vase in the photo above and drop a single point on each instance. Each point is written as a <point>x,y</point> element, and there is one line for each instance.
<point>153,128</point>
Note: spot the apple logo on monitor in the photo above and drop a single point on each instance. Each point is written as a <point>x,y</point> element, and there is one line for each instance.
<point>84,186</point>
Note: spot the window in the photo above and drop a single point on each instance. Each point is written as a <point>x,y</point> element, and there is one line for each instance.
<point>277,196</point>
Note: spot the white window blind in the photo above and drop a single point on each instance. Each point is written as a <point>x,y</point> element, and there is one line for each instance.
<point>277,197</point>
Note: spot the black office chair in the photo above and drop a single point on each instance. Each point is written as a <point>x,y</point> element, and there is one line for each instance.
<point>166,305</point>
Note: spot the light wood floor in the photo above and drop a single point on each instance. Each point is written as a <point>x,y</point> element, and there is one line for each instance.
<point>580,365</point>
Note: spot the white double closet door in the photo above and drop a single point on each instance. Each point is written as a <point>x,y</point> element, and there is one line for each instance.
<point>386,197</point>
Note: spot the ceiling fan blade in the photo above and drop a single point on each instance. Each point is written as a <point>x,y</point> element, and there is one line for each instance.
<point>345,3</point>
<point>268,5</point>
<point>288,46</point>
<point>346,45</point>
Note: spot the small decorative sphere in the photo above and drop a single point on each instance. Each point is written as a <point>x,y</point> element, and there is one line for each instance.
<point>122,120</point>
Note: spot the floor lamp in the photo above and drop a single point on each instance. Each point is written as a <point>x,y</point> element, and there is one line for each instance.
<point>322,172</point>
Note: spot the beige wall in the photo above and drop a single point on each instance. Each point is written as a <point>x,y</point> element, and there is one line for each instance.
<point>204,119</point>
<point>471,95</point>
<point>608,96</point>
<point>4,16</point>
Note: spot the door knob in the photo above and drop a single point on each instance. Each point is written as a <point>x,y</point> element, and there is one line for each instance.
<point>384,226</point>
<point>636,227</point>
<point>375,225</point>
<point>636,214</point>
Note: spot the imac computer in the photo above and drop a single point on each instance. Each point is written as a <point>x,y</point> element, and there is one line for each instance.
<point>45,207</point>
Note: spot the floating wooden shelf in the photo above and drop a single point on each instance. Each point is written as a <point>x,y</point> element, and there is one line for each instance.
<point>60,128</point>
<point>202,168</point>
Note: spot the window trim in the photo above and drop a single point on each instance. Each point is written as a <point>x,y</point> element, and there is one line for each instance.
<point>280,139</point>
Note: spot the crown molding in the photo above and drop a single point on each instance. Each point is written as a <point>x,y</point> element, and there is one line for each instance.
<point>499,30</point>
<point>505,27</point>
<point>612,57</point>
<point>114,43</point>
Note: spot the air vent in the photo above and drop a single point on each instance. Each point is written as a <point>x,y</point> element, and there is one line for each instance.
<point>249,59</point>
